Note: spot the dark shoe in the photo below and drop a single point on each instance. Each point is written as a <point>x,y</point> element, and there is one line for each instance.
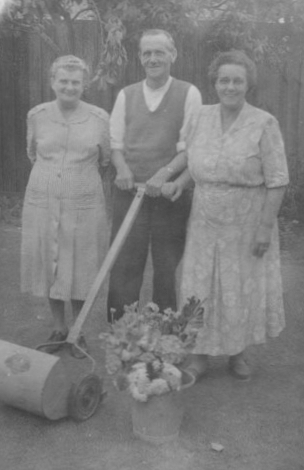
<point>55,341</point>
<point>198,366</point>
<point>78,348</point>
<point>239,368</point>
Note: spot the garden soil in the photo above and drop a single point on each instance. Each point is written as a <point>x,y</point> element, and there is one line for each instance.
<point>228,424</point>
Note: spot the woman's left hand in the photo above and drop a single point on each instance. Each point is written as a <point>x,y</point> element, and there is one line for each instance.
<point>172,190</point>
<point>262,241</point>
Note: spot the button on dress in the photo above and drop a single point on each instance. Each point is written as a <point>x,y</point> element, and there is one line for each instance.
<point>64,222</point>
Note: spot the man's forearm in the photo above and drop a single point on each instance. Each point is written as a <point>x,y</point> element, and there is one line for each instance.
<point>124,176</point>
<point>118,160</point>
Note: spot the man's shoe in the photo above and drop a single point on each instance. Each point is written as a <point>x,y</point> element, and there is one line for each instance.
<point>238,367</point>
<point>78,348</point>
<point>55,341</point>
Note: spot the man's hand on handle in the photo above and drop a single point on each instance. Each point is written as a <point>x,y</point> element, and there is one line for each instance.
<point>154,185</point>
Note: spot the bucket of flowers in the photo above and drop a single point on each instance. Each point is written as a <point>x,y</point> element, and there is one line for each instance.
<point>144,352</point>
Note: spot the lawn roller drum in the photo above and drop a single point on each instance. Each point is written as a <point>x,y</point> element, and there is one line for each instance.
<point>37,382</point>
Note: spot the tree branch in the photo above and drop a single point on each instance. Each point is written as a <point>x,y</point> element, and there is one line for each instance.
<point>32,29</point>
<point>80,12</point>
<point>94,8</point>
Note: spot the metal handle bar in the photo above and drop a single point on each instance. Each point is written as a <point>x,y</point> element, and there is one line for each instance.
<point>108,262</point>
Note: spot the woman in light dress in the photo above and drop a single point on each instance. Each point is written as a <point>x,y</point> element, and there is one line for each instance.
<point>232,260</point>
<point>64,222</point>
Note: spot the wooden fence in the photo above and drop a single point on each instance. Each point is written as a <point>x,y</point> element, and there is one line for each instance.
<point>24,82</point>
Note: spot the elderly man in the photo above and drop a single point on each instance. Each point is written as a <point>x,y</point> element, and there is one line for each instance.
<point>150,126</point>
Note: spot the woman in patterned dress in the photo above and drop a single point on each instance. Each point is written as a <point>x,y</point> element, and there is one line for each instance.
<point>232,261</point>
<point>64,223</point>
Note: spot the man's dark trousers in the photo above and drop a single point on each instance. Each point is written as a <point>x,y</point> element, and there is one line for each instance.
<point>161,224</point>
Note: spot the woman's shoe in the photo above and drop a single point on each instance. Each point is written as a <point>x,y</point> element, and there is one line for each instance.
<point>78,348</point>
<point>198,366</point>
<point>55,341</point>
<point>238,367</point>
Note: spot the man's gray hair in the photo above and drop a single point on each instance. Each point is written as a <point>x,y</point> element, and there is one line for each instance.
<point>157,32</point>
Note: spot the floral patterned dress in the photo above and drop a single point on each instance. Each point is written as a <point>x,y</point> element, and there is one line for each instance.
<point>64,222</point>
<point>232,172</point>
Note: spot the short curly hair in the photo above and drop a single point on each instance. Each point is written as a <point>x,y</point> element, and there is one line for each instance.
<point>235,57</point>
<point>71,62</point>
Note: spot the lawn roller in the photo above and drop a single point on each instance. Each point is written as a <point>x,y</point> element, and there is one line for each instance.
<point>36,381</point>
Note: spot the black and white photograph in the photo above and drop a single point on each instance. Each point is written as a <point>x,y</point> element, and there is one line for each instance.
<point>151,234</point>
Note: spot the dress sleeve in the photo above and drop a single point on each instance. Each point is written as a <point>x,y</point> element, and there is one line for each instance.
<point>105,141</point>
<point>273,155</point>
<point>30,138</point>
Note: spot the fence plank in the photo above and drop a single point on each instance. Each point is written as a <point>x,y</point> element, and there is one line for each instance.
<point>24,82</point>
<point>8,137</point>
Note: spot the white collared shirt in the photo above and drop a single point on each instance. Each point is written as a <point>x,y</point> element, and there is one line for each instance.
<point>153,98</point>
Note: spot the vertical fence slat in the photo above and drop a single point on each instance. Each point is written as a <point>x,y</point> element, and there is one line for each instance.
<point>21,105</point>
<point>8,136</point>
<point>24,82</point>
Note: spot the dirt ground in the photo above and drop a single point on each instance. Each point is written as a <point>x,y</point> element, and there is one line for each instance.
<point>259,423</point>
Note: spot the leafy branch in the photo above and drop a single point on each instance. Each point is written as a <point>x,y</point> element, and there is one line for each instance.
<point>120,23</point>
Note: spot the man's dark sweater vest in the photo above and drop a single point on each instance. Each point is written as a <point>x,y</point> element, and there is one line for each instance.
<point>151,137</point>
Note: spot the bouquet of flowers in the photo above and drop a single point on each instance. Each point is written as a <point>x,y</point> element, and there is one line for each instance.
<point>145,347</point>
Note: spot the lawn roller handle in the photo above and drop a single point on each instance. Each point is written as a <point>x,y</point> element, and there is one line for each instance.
<point>107,264</point>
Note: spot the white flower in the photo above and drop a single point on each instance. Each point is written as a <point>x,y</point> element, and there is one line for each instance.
<point>157,365</point>
<point>136,394</point>
<point>141,387</point>
<point>151,307</point>
<point>143,342</point>
<point>139,366</point>
<point>126,355</point>
<point>158,387</point>
<point>138,377</point>
<point>139,382</point>
<point>172,375</point>
<point>139,345</point>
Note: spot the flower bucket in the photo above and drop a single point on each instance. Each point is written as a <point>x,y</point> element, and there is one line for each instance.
<point>159,419</point>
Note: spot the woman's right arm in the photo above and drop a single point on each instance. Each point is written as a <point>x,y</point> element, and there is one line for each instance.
<point>173,189</point>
